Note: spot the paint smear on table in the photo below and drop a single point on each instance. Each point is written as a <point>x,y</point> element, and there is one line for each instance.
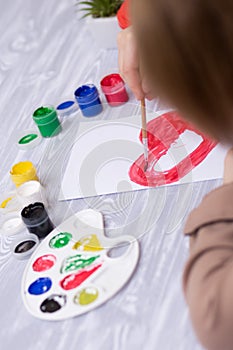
<point>5,202</point>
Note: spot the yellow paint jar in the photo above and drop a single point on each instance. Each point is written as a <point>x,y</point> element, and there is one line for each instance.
<point>23,172</point>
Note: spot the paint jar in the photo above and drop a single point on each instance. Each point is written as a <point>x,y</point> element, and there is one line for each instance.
<point>113,86</point>
<point>31,192</point>
<point>47,121</point>
<point>88,99</point>
<point>37,220</point>
<point>23,172</point>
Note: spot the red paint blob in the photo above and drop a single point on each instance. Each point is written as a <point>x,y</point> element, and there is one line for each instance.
<point>75,279</point>
<point>162,133</point>
<point>44,263</point>
<point>113,87</point>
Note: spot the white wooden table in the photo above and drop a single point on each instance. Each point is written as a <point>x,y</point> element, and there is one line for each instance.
<point>45,54</point>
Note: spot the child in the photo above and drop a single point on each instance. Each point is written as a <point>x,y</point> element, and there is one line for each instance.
<point>186,48</point>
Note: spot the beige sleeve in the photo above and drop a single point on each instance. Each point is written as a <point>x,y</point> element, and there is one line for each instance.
<point>208,275</point>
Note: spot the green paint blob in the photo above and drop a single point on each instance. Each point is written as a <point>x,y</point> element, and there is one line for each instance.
<point>76,262</point>
<point>60,240</point>
<point>43,111</point>
<point>27,138</point>
<point>86,296</point>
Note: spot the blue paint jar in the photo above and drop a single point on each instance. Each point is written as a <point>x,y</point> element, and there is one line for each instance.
<point>88,99</point>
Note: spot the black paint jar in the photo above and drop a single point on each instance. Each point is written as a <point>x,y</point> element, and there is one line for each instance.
<point>37,220</point>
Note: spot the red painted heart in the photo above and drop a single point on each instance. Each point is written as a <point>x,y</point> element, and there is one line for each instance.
<point>162,132</point>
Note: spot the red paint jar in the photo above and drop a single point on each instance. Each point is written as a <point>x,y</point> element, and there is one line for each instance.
<point>113,86</point>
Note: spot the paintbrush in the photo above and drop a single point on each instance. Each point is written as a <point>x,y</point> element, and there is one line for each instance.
<point>144,133</point>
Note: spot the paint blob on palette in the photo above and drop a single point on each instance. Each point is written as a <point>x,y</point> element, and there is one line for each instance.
<point>71,273</point>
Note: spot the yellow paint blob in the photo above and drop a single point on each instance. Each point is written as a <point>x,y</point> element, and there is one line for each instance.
<point>88,243</point>
<point>5,202</point>
<point>86,296</point>
<point>23,172</point>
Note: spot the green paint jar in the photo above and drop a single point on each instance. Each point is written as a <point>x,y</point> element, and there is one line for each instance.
<point>47,121</point>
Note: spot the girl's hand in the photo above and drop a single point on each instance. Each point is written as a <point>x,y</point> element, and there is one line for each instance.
<point>128,61</point>
<point>228,167</point>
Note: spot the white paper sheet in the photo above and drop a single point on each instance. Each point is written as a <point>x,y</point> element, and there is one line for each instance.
<point>103,152</point>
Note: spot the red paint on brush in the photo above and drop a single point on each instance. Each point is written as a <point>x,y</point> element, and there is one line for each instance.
<point>162,133</point>
<point>113,87</point>
<point>44,263</point>
<point>75,279</point>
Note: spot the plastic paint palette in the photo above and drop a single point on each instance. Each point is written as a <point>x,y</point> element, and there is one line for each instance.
<point>71,273</point>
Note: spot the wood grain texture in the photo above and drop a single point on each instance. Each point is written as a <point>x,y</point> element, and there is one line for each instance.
<point>45,54</point>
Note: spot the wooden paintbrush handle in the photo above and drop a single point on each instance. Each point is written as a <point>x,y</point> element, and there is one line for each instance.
<point>143,114</point>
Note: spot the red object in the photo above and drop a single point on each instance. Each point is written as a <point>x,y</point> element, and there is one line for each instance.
<point>113,86</point>
<point>123,15</point>
<point>162,133</point>
<point>75,279</point>
<point>44,263</point>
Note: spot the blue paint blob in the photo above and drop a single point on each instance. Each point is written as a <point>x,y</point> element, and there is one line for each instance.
<point>88,99</point>
<point>40,286</point>
<point>65,105</point>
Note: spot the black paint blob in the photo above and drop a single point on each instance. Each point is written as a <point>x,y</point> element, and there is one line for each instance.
<point>53,303</point>
<point>24,246</point>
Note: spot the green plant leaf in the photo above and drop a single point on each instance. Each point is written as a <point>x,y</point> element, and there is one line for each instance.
<point>86,3</point>
<point>100,8</point>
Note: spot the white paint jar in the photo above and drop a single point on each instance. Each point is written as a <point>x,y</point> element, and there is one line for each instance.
<point>31,192</point>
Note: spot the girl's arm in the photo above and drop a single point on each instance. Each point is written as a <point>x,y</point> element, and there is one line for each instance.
<point>208,276</point>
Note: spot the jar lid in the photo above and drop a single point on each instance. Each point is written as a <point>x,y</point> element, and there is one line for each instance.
<point>66,108</point>
<point>11,224</point>
<point>65,105</point>
<point>24,246</point>
<point>27,139</point>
